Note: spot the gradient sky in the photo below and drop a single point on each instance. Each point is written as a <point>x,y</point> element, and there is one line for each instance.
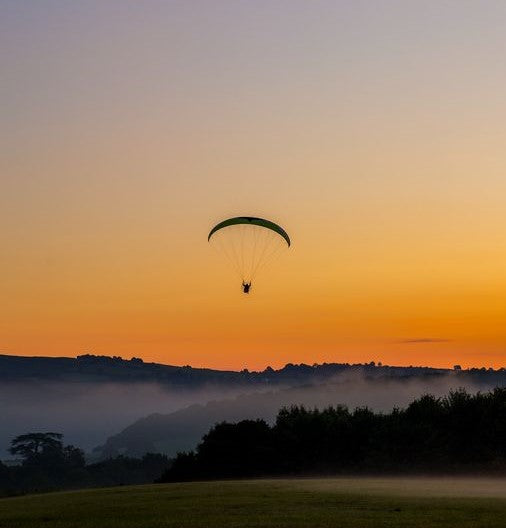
<point>374,132</point>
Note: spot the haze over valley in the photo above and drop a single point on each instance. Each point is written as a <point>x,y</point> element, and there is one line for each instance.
<point>132,407</point>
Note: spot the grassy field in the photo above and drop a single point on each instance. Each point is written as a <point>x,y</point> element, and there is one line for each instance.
<point>341,502</point>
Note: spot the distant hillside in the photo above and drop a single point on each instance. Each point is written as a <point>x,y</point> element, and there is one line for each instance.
<point>91,398</point>
<point>181,430</point>
<point>107,369</point>
<point>115,369</point>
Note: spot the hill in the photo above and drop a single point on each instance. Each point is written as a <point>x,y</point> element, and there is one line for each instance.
<point>93,368</point>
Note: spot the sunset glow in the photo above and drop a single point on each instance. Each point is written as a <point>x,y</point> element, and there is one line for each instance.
<point>376,142</point>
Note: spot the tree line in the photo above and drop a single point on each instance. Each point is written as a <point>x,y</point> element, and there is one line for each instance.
<point>459,433</point>
<point>47,464</point>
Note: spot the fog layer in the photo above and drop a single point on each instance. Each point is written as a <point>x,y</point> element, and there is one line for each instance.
<point>88,413</point>
<point>182,429</point>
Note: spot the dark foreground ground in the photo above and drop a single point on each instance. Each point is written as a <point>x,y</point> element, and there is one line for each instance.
<point>341,502</point>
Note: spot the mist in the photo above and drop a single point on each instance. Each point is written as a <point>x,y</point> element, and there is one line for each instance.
<point>182,430</point>
<point>351,390</point>
<point>88,412</point>
<point>381,394</point>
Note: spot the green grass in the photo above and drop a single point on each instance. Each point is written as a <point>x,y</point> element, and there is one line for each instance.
<point>341,502</point>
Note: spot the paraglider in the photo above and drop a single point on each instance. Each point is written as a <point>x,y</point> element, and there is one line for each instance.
<point>249,243</point>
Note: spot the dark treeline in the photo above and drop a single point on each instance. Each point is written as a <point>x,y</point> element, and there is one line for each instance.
<point>89,367</point>
<point>460,433</point>
<point>49,465</point>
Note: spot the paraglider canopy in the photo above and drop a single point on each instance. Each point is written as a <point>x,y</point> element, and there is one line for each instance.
<point>251,220</point>
<point>249,243</point>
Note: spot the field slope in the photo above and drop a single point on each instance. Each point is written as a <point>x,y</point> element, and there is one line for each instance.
<point>341,502</point>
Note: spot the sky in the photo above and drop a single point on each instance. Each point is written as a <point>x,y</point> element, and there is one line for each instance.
<point>372,131</point>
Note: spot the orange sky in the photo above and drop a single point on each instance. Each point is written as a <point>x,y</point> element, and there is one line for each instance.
<point>373,132</point>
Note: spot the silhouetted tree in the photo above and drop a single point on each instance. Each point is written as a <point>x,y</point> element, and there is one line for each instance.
<point>31,445</point>
<point>51,465</point>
